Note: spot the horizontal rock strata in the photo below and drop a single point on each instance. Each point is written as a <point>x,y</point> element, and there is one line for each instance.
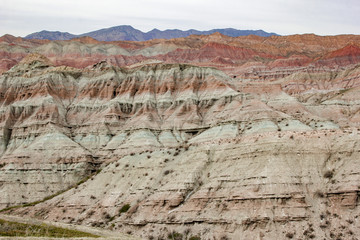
<point>159,147</point>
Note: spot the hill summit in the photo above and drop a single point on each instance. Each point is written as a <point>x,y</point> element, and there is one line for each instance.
<point>128,33</point>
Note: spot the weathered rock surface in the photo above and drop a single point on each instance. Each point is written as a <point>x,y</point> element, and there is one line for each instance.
<point>251,57</point>
<point>189,148</point>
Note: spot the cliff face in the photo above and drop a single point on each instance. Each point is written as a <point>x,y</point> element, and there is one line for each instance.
<point>189,148</point>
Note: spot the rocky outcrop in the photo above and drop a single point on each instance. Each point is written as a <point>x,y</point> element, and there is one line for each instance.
<point>159,148</point>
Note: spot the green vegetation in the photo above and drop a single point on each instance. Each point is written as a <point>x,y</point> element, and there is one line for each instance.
<point>175,236</point>
<point>342,91</point>
<point>14,229</point>
<point>125,208</point>
<point>194,238</point>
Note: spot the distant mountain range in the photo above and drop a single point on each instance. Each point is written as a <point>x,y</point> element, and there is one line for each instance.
<point>128,33</point>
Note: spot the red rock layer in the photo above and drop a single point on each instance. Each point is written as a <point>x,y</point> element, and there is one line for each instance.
<point>286,52</point>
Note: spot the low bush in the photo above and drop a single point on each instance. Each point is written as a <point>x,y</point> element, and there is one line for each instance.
<point>175,236</point>
<point>124,208</point>
<point>194,238</point>
<point>329,174</point>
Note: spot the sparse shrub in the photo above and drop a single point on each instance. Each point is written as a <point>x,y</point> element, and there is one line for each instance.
<point>107,216</point>
<point>289,235</point>
<point>89,214</point>
<point>323,226</point>
<point>148,156</point>
<point>329,174</point>
<point>224,237</point>
<point>167,172</point>
<point>187,231</point>
<point>319,194</point>
<point>132,154</point>
<point>350,221</point>
<point>117,164</point>
<point>171,218</point>
<point>175,236</point>
<point>92,197</point>
<point>194,238</point>
<point>124,208</point>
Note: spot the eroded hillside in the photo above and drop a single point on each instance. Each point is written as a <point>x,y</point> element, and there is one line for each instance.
<point>159,147</point>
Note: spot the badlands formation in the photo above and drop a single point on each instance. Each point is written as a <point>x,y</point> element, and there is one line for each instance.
<point>205,136</point>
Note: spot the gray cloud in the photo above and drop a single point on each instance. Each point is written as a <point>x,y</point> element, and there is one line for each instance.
<point>324,17</point>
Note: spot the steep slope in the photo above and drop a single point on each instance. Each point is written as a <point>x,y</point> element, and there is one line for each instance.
<point>250,57</point>
<point>182,149</point>
<point>82,111</point>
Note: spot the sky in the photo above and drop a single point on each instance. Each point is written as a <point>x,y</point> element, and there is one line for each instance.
<point>285,17</point>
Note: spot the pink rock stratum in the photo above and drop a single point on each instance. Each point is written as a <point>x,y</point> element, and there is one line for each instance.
<point>230,140</point>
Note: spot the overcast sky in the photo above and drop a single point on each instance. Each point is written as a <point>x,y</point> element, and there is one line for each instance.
<point>322,17</point>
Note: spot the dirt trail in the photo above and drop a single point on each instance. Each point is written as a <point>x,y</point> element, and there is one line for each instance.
<point>104,234</point>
